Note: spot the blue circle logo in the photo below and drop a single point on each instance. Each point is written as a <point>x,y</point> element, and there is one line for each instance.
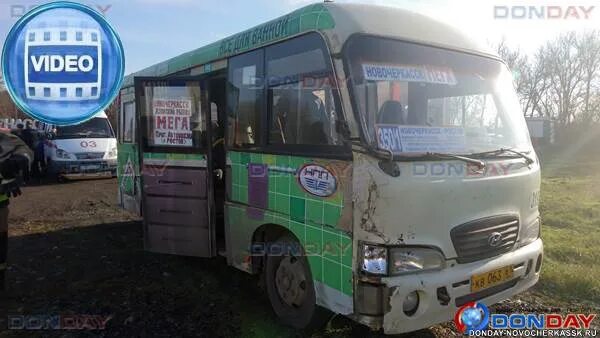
<point>473,316</point>
<point>63,63</point>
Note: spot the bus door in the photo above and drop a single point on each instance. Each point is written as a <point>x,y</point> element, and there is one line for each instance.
<point>177,194</point>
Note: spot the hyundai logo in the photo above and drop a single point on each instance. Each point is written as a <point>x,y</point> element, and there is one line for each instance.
<point>495,239</point>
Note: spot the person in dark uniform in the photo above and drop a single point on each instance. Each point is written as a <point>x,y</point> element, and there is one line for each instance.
<point>15,161</point>
<point>28,135</point>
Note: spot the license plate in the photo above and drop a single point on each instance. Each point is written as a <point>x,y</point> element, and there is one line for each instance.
<point>491,278</point>
<point>89,167</point>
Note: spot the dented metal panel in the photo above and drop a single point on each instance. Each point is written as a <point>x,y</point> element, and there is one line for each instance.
<point>421,206</point>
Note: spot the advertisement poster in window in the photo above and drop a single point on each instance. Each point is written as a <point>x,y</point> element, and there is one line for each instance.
<point>172,122</point>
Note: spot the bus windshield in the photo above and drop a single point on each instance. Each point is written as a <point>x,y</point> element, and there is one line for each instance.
<point>97,127</point>
<point>415,99</point>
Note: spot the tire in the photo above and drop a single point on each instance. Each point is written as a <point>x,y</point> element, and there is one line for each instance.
<point>303,312</point>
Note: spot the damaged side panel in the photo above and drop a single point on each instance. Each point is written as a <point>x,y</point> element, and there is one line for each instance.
<point>367,201</point>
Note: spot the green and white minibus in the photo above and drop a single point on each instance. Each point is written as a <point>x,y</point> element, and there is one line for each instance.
<point>365,160</point>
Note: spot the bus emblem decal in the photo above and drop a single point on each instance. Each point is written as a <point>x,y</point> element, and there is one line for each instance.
<point>317,180</point>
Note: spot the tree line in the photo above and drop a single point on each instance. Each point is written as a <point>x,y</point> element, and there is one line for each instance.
<point>561,80</point>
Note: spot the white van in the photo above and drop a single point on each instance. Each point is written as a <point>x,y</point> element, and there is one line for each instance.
<point>88,149</point>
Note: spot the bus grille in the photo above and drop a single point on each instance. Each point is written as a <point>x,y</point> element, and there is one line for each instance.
<point>485,238</point>
<point>89,156</point>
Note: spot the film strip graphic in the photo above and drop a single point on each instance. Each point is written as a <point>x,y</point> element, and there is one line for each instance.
<point>63,64</point>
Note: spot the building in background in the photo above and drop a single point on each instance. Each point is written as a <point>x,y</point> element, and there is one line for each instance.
<point>541,130</point>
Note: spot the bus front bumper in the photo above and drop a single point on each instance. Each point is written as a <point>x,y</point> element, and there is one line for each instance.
<point>442,293</point>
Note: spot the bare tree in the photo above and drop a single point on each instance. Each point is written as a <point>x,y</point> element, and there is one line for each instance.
<point>518,64</point>
<point>566,75</point>
<point>112,111</point>
<point>535,87</point>
<point>530,77</point>
<point>588,52</point>
<point>8,108</point>
<point>562,79</point>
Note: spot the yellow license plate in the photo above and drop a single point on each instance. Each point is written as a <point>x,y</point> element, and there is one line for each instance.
<point>491,278</point>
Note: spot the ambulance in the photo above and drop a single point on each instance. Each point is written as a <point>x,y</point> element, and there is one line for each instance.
<point>84,150</point>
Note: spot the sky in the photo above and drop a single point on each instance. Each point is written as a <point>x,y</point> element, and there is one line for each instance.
<point>155,30</point>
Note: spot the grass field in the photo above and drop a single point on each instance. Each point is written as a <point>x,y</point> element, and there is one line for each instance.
<point>570,207</point>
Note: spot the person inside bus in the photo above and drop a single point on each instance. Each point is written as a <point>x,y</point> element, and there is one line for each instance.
<point>391,112</point>
<point>314,119</point>
<point>282,134</point>
<point>302,123</point>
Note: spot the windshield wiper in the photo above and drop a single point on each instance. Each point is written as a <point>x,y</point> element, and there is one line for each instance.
<point>500,151</point>
<point>388,155</point>
<point>478,163</point>
<point>381,154</point>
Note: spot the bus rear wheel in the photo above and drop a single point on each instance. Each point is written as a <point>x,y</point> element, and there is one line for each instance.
<point>290,287</point>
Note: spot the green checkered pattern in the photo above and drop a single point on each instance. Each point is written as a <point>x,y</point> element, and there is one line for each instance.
<point>311,17</point>
<point>311,219</point>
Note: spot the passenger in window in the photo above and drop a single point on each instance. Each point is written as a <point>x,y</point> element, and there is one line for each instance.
<point>250,135</point>
<point>281,113</point>
<point>299,119</point>
<point>391,112</point>
<point>314,120</point>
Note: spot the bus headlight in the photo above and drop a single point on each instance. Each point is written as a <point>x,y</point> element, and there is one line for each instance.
<point>401,260</point>
<point>374,259</point>
<point>414,259</point>
<point>531,232</point>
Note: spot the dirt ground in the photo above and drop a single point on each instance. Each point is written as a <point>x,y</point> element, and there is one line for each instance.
<point>73,251</point>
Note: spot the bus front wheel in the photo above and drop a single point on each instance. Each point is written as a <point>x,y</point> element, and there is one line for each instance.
<point>290,286</point>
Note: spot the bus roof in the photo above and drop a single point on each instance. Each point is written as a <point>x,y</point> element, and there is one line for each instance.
<point>337,22</point>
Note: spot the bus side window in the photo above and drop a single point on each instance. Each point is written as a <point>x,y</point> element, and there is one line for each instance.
<point>127,124</point>
<point>300,94</point>
<point>245,99</point>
